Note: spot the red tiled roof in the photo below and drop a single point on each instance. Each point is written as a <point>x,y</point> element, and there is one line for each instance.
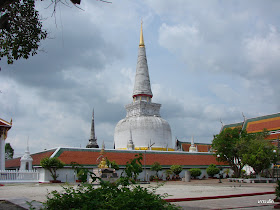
<point>89,157</point>
<point>5,123</point>
<point>258,126</point>
<point>200,147</point>
<point>15,163</point>
<point>84,157</point>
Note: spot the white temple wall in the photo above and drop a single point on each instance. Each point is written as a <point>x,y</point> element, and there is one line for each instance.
<point>69,175</point>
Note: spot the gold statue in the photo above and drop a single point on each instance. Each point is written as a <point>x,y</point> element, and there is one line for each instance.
<point>103,164</point>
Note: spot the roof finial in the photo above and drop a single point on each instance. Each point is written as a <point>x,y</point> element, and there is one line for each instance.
<point>141,44</point>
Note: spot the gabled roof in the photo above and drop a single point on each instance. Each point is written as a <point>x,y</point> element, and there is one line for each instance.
<point>258,124</point>
<point>4,123</point>
<point>88,157</point>
<point>15,163</point>
<point>201,147</point>
<point>233,125</point>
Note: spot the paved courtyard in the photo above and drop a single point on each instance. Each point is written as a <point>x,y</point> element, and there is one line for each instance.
<point>20,193</point>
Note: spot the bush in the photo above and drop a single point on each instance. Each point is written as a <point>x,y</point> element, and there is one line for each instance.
<point>212,170</point>
<point>156,167</point>
<point>195,172</point>
<point>176,169</point>
<point>168,173</point>
<point>119,195</point>
<point>52,164</point>
<point>108,196</point>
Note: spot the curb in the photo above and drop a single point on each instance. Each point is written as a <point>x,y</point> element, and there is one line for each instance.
<point>216,197</point>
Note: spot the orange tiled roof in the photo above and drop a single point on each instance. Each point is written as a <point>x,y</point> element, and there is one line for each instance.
<point>15,163</point>
<point>257,124</point>
<point>4,123</point>
<point>88,157</point>
<point>200,147</point>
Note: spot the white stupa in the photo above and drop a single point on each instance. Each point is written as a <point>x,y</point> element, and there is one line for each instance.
<point>143,125</point>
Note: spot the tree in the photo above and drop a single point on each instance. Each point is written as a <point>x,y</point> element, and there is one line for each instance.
<point>168,172</point>
<point>133,168</point>
<point>112,164</point>
<point>9,151</point>
<point>195,172</point>
<point>229,146</point>
<point>212,170</point>
<point>52,164</point>
<point>156,167</point>
<point>21,28</point>
<point>176,169</point>
<point>260,153</point>
<point>82,173</point>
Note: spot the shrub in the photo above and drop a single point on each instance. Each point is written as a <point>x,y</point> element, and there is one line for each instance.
<point>52,164</point>
<point>195,172</point>
<point>107,196</point>
<point>119,195</point>
<point>156,167</point>
<point>168,173</point>
<point>112,164</point>
<point>212,170</point>
<point>176,169</point>
<point>277,190</point>
<point>82,173</point>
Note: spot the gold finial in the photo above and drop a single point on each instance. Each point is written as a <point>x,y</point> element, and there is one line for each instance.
<point>141,44</point>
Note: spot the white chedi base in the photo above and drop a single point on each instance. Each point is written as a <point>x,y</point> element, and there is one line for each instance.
<point>145,130</point>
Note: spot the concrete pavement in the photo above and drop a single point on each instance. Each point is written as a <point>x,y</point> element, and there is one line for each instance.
<point>19,193</point>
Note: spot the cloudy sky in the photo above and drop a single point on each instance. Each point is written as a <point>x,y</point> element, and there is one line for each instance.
<point>208,60</point>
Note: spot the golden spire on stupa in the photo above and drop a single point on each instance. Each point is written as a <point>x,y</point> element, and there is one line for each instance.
<point>141,44</point>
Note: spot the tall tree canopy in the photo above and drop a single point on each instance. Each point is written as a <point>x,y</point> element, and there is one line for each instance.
<point>9,151</point>
<point>260,153</point>
<point>21,28</point>
<point>228,145</point>
<point>239,148</point>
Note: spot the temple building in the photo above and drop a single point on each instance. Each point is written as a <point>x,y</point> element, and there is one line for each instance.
<point>258,124</point>
<point>192,147</point>
<point>143,128</point>
<point>4,128</point>
<point>142,131</point>
<point>92,142</point>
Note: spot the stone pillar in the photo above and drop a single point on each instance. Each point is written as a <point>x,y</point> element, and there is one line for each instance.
<point>2,150</point>
<point>187,176</point>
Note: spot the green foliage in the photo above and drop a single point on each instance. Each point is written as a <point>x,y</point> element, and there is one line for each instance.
<point>168,173</point>
<point>227,171</point>
<point>176,169</point>
<point>259,154</point>
<point>82,173</point>
<point>9,151</point>
<point>228,145</point>
<point>156,167</point>
<point>239,148</point>
<point>119,195</point>
<point>277,190</point>
<point>212,170</point>
<point>20,30</point>
<point>133,168</point>
<point>195,172</point>
<point>52,164</point>
<point>112,164</point>
<point>107,196</point>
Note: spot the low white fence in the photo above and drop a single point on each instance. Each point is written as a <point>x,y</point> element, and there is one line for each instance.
<point>19,176</point>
